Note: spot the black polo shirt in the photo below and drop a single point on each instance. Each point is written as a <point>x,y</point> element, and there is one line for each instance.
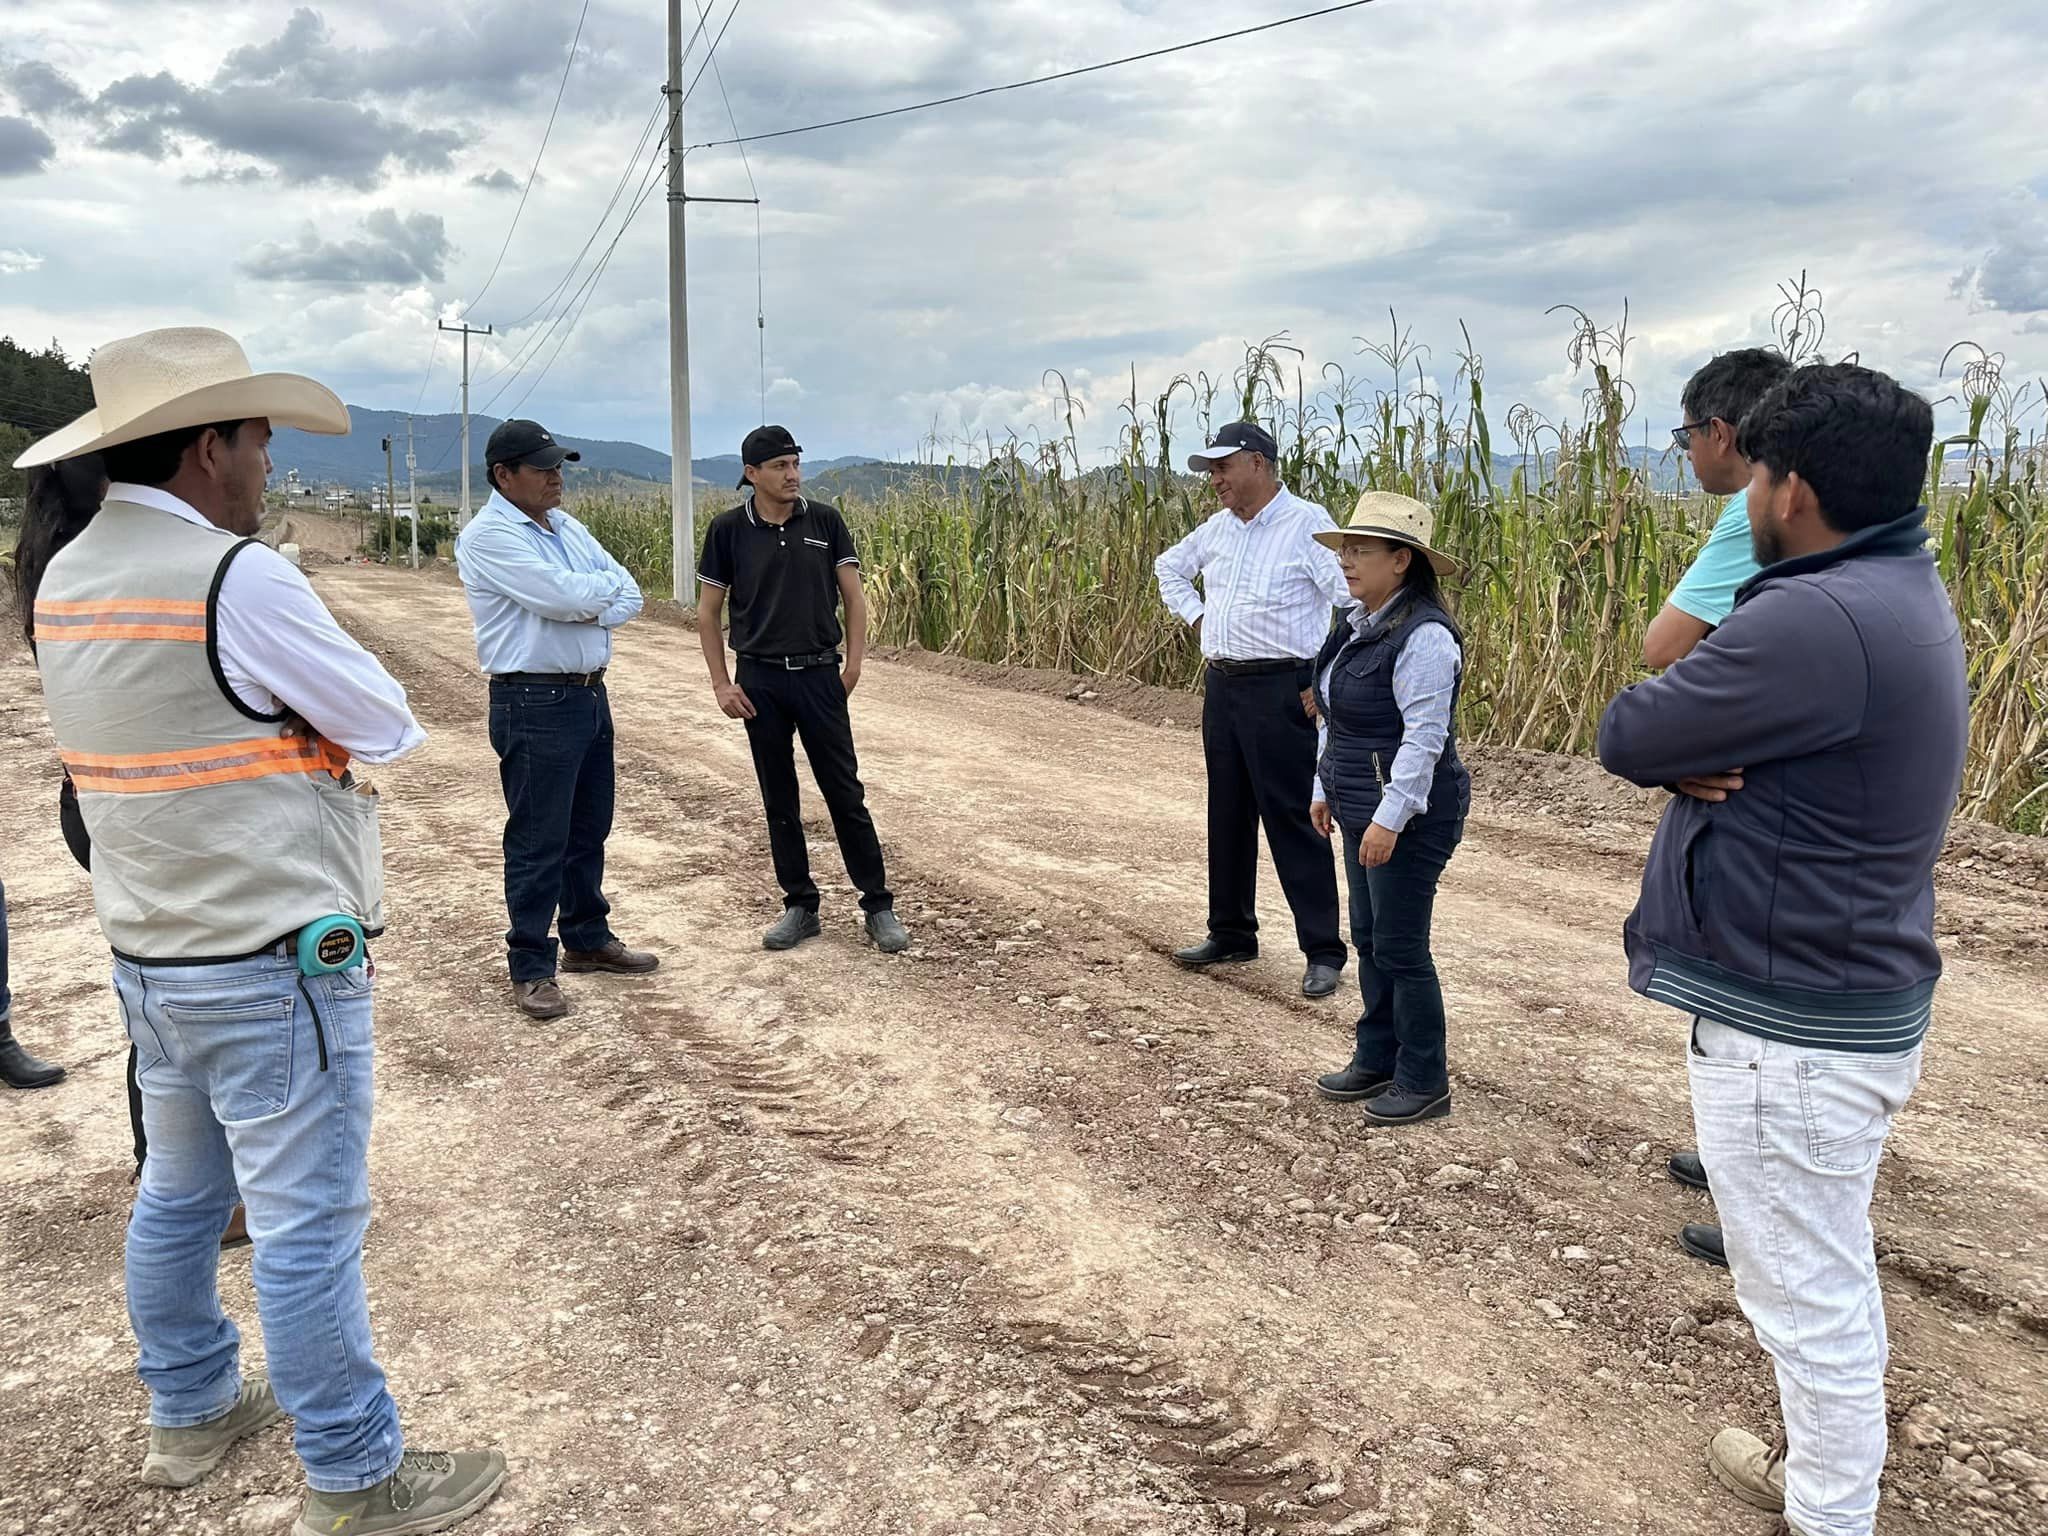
<point>781,580</point>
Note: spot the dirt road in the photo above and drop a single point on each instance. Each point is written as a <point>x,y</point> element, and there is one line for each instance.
<point>1023,1231</point>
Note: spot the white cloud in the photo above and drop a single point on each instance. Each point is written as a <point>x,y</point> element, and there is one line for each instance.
<point>13,263</point>
<point>1455,159</point>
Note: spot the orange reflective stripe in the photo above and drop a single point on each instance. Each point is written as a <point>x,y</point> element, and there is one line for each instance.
<point>138,773</point>
<point>121,618</point>
<point>119,605</point>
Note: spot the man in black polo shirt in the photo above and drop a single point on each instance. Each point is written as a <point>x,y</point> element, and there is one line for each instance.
<point>787,563</point>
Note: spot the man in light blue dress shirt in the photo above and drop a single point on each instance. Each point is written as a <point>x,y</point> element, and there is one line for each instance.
<point>546,597</point>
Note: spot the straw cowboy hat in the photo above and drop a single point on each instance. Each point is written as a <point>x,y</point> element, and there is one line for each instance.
<point>1403,519</point>
<point>187,376</point>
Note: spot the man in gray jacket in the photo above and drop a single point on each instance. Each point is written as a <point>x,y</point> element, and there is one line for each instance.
<point>1794,920</point>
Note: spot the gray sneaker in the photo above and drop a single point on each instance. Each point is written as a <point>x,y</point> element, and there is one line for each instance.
<point>888,932</point>
<point>430,1491</point>
<point>178,1458</point>
<point>794,926</point>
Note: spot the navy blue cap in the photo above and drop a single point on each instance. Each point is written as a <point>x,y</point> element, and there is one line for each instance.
<point>1236,437</point>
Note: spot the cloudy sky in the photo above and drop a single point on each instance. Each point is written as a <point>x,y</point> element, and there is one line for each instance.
<point>327,180</point>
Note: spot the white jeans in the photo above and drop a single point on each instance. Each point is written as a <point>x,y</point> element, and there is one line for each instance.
<point>1791,1138</point>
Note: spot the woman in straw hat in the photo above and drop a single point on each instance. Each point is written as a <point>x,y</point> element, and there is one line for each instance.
<point>1389,777</point>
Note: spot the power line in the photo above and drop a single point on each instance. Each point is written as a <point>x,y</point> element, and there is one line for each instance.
<point>546,133</point>
<point>760,300</point>
<point>1018,85</point>
<point>712,56</point>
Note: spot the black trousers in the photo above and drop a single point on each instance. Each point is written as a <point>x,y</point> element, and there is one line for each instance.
<point>810,703</point>
<point>554,746</point>
<point>1401,1032</point>
<point>1261,754</point>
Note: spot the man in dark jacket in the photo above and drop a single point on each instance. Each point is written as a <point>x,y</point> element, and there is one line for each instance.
<point>1794,920</point>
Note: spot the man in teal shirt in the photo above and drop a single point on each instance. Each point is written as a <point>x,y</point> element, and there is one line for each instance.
<point>1713,405</point>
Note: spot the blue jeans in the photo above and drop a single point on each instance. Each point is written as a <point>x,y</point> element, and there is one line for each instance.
<point>6,997</point>
<point>234,1097</point>
<point>1401,1032</point>
<point>554,746</point>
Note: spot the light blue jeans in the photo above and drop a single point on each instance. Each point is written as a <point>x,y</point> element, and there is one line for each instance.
<point>1791,1137</point>
<point>234,1097</point>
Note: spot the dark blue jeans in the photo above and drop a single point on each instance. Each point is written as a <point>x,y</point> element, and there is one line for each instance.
<point>6,997</point>
<point>1401,1031</point>
<point>554,746</point>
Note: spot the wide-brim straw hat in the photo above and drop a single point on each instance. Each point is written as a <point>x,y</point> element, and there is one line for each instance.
<point>1403,519</point>
<point>185,376</point>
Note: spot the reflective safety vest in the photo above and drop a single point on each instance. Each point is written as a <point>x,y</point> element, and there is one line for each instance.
<point>213,836</point>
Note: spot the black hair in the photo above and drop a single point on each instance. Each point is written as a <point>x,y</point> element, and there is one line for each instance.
<point>155,460</point>
<point>1730,384</point>
<point>62,498</point>
<point>1420,579</point>
<point>1857,436</point>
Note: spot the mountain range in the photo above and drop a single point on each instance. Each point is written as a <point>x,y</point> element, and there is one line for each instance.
<point>357,460</point>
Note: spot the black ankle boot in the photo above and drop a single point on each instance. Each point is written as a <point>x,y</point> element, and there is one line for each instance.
<point>1353,1083</point>
<point>18,1069</point>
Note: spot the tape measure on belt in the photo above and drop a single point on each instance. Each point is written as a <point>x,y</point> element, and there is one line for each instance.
<point>330,944</point>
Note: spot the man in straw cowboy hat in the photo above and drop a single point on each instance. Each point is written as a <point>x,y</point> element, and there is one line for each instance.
<point>206,705</point>
<point>1263,611</point>
<point>1389,776</point>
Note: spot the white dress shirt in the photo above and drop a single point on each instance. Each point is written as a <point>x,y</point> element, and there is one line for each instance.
<point>544,599</point>
<point>280,649</point>
<point>1268,587</point>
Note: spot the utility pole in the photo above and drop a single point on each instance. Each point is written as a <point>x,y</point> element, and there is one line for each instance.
<point>462,520</point>
<point>682,511</point>
<point>412,494</point>
<point>390,510</point>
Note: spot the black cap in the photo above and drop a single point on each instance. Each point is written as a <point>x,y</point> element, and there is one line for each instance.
<point>1231,438</point>
<point>527,442</point>
<point>764,444</point>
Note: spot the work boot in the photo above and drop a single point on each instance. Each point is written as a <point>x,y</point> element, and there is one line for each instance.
<point>18,1069</point>
<point>430,1491</point>
<point>1211,952</point>
<point>1687,1168</point>
<point>1320,981</point>
<point>178,1458</point>
<point>1704,1243</point>
<point>614,957</point>
<point>1749,1469</point>
<point>794,926</point>
<point>540,999</point>
<point>1400,1106</point>
<point>1354,1082</point>
<point>888,932</point>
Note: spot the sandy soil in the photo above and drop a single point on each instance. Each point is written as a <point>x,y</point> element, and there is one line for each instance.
<point>1025,1230</point>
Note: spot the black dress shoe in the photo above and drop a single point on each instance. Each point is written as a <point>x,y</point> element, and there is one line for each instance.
<point>794,926</point>
<point>1210,952</point>
<point>1687,1168</point>
<point>1704,1243</point>
<point>18,1069</point>
<point>1319,981</point>
<point>1401,1106</point>
<point>1352,1083</point>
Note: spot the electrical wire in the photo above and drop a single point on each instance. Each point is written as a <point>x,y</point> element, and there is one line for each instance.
<point>760,300</point>
<point>546,133</point>
<point>713,54</point>
<point>1018,85</point>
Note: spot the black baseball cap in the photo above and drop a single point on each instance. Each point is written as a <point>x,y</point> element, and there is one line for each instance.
<point>527,442</point>
<point>763,444</point>
<point>1238,435</point>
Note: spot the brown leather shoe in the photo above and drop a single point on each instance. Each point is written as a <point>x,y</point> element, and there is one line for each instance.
<point>613,957</point>
<point>540,999</point>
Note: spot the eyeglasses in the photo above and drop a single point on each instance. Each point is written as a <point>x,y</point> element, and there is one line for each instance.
<point>1682,436</point>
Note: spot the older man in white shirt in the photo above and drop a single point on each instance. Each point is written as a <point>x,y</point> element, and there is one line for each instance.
<point>1263,611</point>
<point>546,597</point>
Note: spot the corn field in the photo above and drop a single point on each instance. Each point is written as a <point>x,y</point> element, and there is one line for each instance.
<point>1569,551</point>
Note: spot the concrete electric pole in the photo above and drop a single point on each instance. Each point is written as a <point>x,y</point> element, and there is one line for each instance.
<point>412,495</point>
<point>462,519</point>
<point>682,510</point>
